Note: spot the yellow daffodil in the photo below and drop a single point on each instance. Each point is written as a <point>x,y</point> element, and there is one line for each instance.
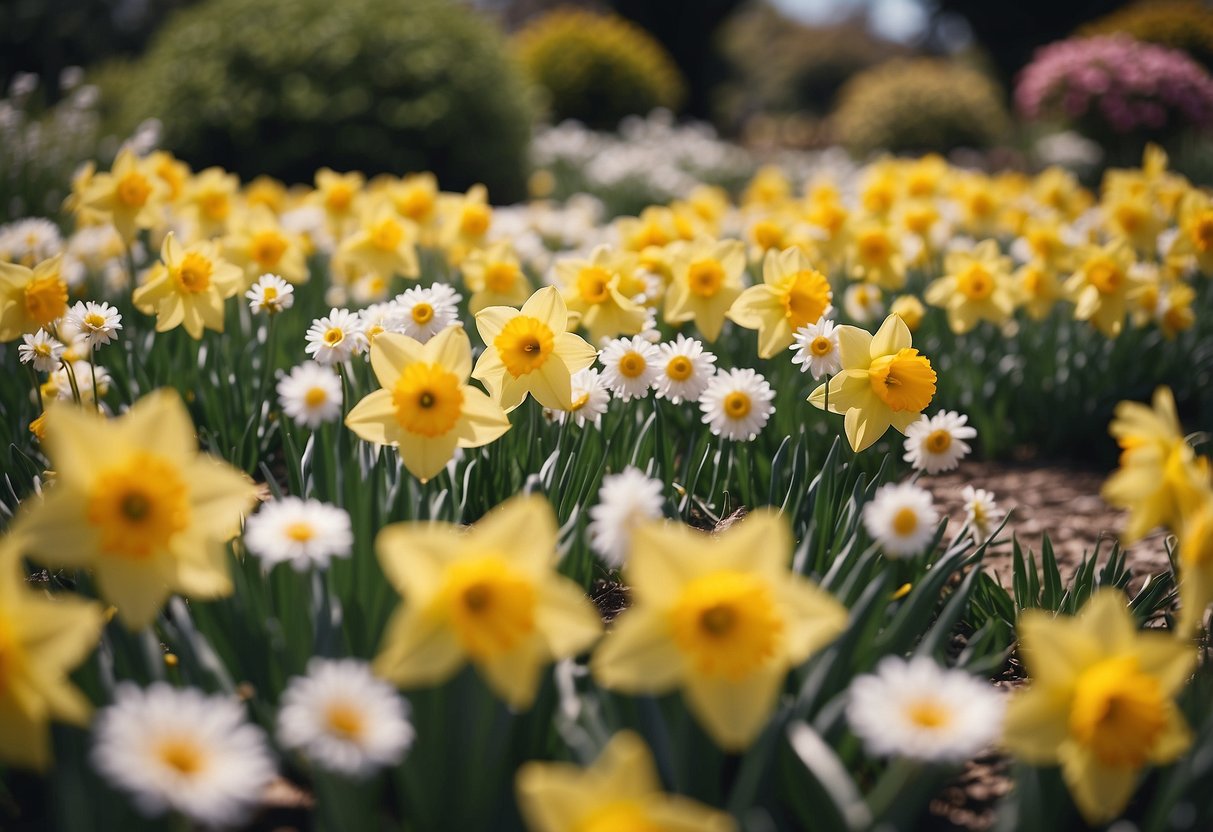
<point>173,172</point>
<point>188,288</point>
<point>1176,314</point>
<point>415,198</point>
<point>1195,555</point>
<point>1100,703</point>
<point>883,381</point>
<point>425,408</point>
<point>707,279</point>
<point>976,286</point>
<point>210,200</point>
<point>1132,215</point>
<point>910,309</point>
<point>1160,476</point>
<point>340,195</point>
<point>592,290</point>
<point>42,637</point>
<point>769,188</point>
<point>1195,237</point>
<point>620,791</point>
<point>135,502</point>
<point>384,245</point>
<point>466,219</point>
<point>1101,286</point>
<point>259,245</point>
<point>1046,244</point>
<point>792,294</point>
<point>1038,288</point>
<point>874,255</point>
<point>721,617</point>
<point>31,299</point>
<point>710,202</point>
<point>488,594</point>
<point>131,195</point>
<point>827,216</point>
<point>268,193</point>
<point>495,277</point>
<point>531,351</point>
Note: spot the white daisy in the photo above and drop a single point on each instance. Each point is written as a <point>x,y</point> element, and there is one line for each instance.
<point>937,444</point>
<point>301,532</point>
<point>625,500</point>
<point>629,367</point>
<point>816,348</point>
<point>901,518</point>
<point>311,395</point>
<point>42,350</point>
<point>84,373</point>
<point>343,718</point>
<point>380,317</point>
<point>737,404</point>
<point>981,512</point>
<point>590,399</point>
<point>333,339</point>
<point>426,312</point>
<point>922,711</point>
<point>181,750</point>
<point>271,295</point>
<point>863,303</point>
<point>97,323</point>
<point>684,370</point>
<point>30,240</point>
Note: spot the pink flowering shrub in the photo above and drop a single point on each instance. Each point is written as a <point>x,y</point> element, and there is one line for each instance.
<point>1116,84</point>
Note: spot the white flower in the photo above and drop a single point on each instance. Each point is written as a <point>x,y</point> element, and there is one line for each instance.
<point>344,719</point>
<point>816,348</point>
<point>311,395</point>
<point>737,404</point>
<point>625,500</point>
<point>83,372</point>
<point>270,294</point>
<point>922,711</point>
<point>41,350</point>
<point>426,312</point>
<point>590,399</point>
<point>981,512</point>
<point>684,370</point>
<point>301,532</point>
<point>937,444</point>
<point>97,323</point>
<point>333,339</point>
<point>30,241</point>
<point>630,367</point>
<point>901,518</point>
<point>380,317</point>
<point>181,750</point>
<point>863,302</point>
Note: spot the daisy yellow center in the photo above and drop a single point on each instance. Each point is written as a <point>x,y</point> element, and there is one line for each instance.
<point>1202,232</point>
<point>1105,276</point>
<point>727,624</point>
<point>821,346</point>
<point>300,531</point>
<point>632,365</point>
<point>805,296</point>
<point>315,396</point>
<point>904,381</point>
<point>767,234</point>
<point>874,246</point>
<point>45,299</point>
<point>42,349</point>
<point>334,335</point>
<point>216,206</point>
<point>594,284</point>
<point>416,203</point>
<point>193,275</point>
<point>387,234</point>
<point>428,399</point>
<point>736,405</point>
<point>938,441</point>
<point>94,320</point>
<point>975,282</point>
<point>679,368</point>
<point>490,605</point>
<point>928,714</point>
<point>705,278</point>
<point>1118,711</point>
<point>422,313</point>
<point>345,720</point>
<point>133,190</point>
<point>524,344</point>
<point>185,756</point>
<point>138,506</point>
<point>267,248</point>
<point>269,294</point>
<point>621,816</point>
<point>500,277</point>
<point>339,197</point>
<point>905,521</point>
<point>474,220</point>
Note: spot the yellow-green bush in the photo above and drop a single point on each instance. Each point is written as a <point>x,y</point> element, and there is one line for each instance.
<point>597,68</point>
<point>1179,24</point>
<point>917,105</point>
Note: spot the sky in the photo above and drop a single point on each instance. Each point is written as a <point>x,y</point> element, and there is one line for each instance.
<point>899,20</point>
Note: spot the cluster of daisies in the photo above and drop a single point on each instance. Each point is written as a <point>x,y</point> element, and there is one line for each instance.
<point>65,349</point>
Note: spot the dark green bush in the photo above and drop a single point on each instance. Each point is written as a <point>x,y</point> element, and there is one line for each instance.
<point>283,87</point>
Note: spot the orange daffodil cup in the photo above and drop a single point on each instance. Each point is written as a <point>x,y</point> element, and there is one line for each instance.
<point>720,616</point>
<point>883,381</point>
<point>425,407</point>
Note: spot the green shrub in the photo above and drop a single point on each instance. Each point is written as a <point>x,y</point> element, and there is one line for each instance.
<point>918,105</point>
<point>597,68</point>
<point>284,87</point>
<point>1178,24</point>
